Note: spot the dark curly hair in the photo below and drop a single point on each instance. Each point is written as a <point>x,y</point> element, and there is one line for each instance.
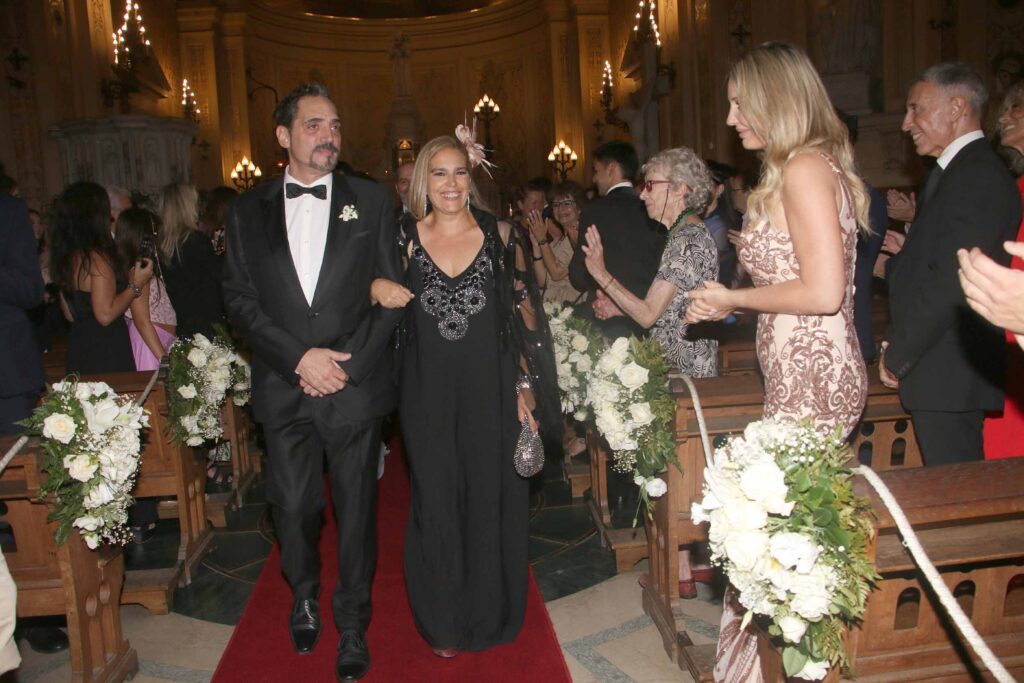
<point>80,226</point>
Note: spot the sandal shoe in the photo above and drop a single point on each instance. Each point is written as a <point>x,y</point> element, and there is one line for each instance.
<point>218,481</point>
<point>688,589</point>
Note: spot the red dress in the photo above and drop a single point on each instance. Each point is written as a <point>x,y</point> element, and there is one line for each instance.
<point>1004,432</point>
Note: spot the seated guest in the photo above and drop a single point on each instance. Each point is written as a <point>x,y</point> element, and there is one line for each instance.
<point>190,268</point>
<point>95,290</point>
<point>553,242</point>
<point>722,216</point>
<point>151,318</point>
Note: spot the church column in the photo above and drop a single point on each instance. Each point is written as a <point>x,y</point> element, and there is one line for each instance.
<point>89,35</point>
<point>565,82</point>
<point>593,49</point>
<point>234,100</point>
<point>197,28</point>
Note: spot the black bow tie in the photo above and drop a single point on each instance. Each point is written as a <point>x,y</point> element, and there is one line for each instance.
<point>293,190</point>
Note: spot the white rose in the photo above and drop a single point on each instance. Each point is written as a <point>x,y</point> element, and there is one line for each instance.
<point>746,516</point>
<point>810,596</point>
<point>194,441</point>
<point>101,494</point>
<point>641,413</point>
<point>656,487</point>
<point>794,550</point>
<point>60,427</point>
<point>88,523</point>
<point>580,415</point>
<point>188,391</point>
<point>719,529</point>
<point>765,483</point>
<point>584,364</point>
<point>745,548</point>
<point>793,628</point>
<point>92,540</point>
<point>197,358</point>
<point>201,341</point>
<point>813,671</point>
<point>83,391</point>
<point>580,343</point>
<point>632,376</point>
<point>638,480</point>
<point>80,467</point>
<point>101,415</point>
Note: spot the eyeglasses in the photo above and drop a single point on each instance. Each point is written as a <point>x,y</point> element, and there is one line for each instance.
<point>563,202</point>
<point>649,184</point>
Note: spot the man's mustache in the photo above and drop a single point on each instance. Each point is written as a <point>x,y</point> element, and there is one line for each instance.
<point>327,147</point>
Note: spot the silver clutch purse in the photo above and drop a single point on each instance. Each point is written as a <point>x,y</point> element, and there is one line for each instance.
<point>529,454</point>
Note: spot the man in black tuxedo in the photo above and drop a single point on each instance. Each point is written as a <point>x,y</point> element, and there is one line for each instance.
<point>301,254</point>
<point>21,288</point>
<point>946,360</point>
<point>633,242</point>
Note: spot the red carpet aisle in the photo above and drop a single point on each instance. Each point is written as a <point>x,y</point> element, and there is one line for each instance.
<point>260,649</point>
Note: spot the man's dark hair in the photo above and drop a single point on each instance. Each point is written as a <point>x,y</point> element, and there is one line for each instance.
<point>284,112</point>
<point>542,182</point>
<point>623,154</point>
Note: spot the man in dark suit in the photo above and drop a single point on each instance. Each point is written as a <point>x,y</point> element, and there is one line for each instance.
<point>633,242</point>
<point>301,254</point>
<point>946,360</point>
<point>21,288</point>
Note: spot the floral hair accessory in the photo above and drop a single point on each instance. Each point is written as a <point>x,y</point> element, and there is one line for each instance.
<point>474,150</point>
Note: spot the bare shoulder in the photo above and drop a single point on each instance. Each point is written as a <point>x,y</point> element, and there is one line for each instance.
<point>807,166</point>
<point>504,230</point>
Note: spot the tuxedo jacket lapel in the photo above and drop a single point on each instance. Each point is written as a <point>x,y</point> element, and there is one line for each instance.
<point>338,232</point>
<point>276,230</point>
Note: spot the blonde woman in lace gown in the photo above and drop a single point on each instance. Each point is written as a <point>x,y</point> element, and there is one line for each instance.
<point>799,244</point>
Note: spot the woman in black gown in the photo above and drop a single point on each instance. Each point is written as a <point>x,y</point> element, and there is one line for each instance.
<point>95,288</point>
<point>471,319</point>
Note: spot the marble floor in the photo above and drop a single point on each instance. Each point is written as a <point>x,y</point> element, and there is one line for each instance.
<point>604,633</point>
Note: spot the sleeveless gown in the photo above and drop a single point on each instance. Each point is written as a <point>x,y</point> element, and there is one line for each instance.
<point>92,347</point>
<point>812,369</point>
<point>466,544</point>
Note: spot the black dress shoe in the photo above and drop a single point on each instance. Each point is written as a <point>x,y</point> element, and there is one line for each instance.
<point>304,624</point>
<point>353,657</point>
<point>45,639</point>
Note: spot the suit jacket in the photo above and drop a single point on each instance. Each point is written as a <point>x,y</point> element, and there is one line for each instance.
<point>21,288</point>
<point>633,244</point>
<point>946,356</point>
<point>193,280</point>
<point>266,305</point>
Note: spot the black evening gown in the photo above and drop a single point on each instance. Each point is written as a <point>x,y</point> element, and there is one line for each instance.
<point>94,348</point>
<point>466,546</point>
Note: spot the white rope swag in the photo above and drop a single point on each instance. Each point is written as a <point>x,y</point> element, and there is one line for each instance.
<point>20,443</point>
<point>910,541</point>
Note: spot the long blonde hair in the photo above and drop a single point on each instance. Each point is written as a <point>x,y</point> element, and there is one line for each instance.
<point>785,102</point>
<point>421,172</point>
<point>179,214</point>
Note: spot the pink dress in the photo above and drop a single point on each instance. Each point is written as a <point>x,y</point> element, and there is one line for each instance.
<point>811,364</point>
<point>160,311</point>
<point>812,370</point>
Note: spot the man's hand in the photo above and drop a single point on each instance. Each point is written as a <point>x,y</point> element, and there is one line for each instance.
<point>319,372</point>
<point>901,206</point>
<point>994,292</point>
<point>888,379</point>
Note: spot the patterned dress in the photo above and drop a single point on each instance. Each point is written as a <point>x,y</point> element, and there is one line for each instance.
<point>689,259</point>
<point>812,364</point>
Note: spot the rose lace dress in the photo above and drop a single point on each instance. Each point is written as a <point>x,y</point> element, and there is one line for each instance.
<point>813,370</point>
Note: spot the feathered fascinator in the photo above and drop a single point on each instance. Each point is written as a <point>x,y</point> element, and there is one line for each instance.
<point>474,150</point>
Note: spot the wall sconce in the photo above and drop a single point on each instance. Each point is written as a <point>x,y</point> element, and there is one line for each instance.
<point>486,110</point>
<point>246,174</point>
<point>188,101</point>
<point>562,159</point>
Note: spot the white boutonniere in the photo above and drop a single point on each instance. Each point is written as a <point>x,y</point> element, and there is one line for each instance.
<point>348,213</point>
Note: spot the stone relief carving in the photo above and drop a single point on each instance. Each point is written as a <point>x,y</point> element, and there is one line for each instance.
<point>845,36</point>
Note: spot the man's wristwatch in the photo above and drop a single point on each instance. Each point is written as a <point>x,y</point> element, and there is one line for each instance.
<point>136,290</point>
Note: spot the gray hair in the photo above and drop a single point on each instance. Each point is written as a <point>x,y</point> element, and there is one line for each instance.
<point>958,78</point>
<point>681,165</point>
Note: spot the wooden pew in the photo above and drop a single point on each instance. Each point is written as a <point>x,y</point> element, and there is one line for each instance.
<point>970,520</point>
<point>730,403</point>
<point>82,584</point>
<point>166,470</point>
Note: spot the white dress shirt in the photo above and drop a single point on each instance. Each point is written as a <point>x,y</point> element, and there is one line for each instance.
<point>307,219</point>
<point>957,145</point>
<point>624,183</point>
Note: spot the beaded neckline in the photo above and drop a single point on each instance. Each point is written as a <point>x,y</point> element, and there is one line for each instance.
<point>452,300</point>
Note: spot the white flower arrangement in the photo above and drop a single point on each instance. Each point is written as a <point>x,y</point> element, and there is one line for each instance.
<point>91,446</point>
<point>576,348</point>
<point>203,374</point>
<point>348,213</point>
<point>627,392</point>
<point>792,537</point>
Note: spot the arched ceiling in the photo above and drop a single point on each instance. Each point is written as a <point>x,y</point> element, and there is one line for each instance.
<point>386,9</point>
